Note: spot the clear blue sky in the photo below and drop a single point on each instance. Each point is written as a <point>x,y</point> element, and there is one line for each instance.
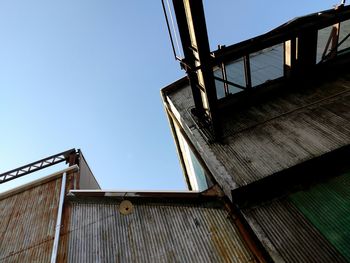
<point>87,74</point>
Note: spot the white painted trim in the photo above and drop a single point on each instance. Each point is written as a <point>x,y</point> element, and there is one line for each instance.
<point>133,191</point>
<point>59,219</point>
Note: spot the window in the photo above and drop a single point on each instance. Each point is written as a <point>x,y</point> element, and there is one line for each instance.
<point>324,46</point>
<point>344,39</point>
<point>267,64</point>
<point>195,172</point>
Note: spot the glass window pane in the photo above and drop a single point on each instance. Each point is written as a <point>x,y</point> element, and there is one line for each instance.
<point>235,74</point>
<point>196,174</point>
<point>219,85</point>
<point>199,172</point>
<point>344,31</point>
<point>323,36</point>
<point>266,64</point>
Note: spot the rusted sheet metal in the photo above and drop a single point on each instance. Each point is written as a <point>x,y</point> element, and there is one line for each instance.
<point>153,232</point>
<point>27,225</point>
<point>62,254</point>
<point>271,136</point>
<point>288,236</point>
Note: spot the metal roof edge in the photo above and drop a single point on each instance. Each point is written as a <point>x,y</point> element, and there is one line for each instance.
<point>292,179</point>
<point>174,86</point>
<point>210,192</point>
<point>134,193</point>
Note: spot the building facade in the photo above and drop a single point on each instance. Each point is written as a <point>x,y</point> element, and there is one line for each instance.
<point>53,220</point>
<point>262,132</point>
<point>267,121</point>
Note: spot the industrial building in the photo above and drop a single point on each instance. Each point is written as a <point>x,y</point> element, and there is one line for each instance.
<point>267,120</point>
<point>65,217</point>
<point>262,132</point>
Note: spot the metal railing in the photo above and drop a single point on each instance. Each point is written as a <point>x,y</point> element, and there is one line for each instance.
<point>235,67</point>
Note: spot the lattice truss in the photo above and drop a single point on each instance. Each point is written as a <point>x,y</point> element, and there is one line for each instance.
<point>36,166</point>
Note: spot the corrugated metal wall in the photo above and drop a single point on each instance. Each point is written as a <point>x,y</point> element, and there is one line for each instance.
<point>270,137</point>
<point>327,206</point>
<point>98,232</point>
<point>287,234</point>
<point>27,225</point>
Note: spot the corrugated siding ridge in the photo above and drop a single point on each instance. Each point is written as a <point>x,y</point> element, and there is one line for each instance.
<point>153,233</point>
<point>280,224</point>
<point>30,216</point>
<point>327,206</point>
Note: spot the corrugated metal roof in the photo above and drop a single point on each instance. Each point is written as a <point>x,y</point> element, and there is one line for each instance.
<point>27,225</point>
<point>268,137</point>
<point>327,206</point>
<point>288,236</point>
<point>153,232</point>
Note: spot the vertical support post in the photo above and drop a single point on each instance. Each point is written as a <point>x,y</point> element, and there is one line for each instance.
<point>189,59</point>
<point>247,72</point>
<point>300,53</point>
<point>198,60</point>
<point>289,57</point>
<point>224,74</point>
<point>306,51</point>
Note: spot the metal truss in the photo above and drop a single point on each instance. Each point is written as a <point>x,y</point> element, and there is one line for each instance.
<point>38,165</point>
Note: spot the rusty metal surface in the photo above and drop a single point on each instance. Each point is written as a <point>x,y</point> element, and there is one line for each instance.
<point>27,225</point>
<point>287,235</point>
<point>64,238</point>
<point>152,232</point>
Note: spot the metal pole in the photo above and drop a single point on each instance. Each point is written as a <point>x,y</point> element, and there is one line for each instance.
<point>58,221</point>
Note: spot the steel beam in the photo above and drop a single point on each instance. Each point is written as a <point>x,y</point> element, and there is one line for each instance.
<point>36,166</point>
<point>198,62</point>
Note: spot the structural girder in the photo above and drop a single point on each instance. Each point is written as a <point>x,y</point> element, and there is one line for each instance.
<point>38,165</point>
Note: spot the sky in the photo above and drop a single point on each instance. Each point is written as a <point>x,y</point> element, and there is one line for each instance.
<point>87,74</point>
